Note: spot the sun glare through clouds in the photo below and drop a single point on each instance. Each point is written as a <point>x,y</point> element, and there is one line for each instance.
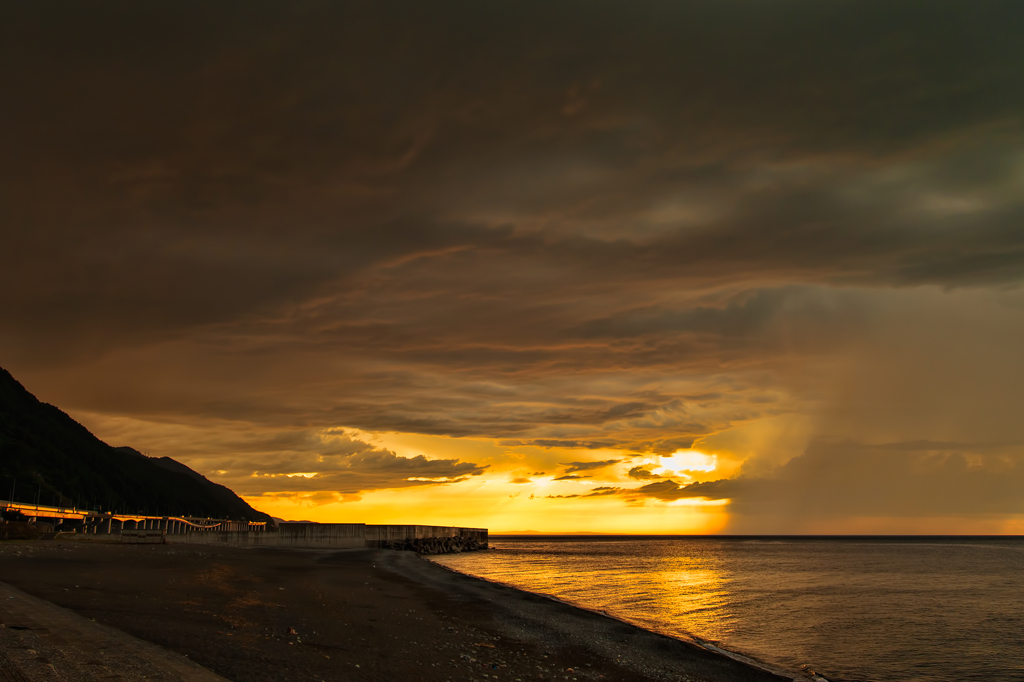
<point>689,460</point>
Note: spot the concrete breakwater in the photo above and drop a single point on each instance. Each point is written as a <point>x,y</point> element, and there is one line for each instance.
<point>423,539</point>
<point>427,539</point>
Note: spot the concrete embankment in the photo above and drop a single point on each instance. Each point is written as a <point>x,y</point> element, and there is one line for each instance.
<point>423,539</point>
<point>174,529</point>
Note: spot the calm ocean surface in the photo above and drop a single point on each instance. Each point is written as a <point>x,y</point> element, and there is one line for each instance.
<point>878,609</point>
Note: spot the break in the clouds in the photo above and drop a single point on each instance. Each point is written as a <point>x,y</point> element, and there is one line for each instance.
<point>591,231</point>
<point>833,480</point>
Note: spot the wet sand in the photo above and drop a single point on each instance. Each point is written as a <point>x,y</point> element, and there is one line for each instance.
<point>270,614</point>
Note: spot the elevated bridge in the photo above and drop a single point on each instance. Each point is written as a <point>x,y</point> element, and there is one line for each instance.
<point>71,519</point>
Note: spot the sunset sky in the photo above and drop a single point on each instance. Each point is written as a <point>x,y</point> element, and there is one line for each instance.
<point>650,267</point>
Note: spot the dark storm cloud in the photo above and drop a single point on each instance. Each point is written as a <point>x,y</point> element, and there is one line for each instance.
<point>562,443</point>
<point>641,474</point>
<point>602,491</point>
<point>338,465</point>
<point>177,165</point>
<point>257,461</point>
<point>574,467</point>
<point>765,317</point>
<point>521,221</point>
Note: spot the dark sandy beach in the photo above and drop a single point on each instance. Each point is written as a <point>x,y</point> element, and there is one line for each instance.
<point>262,614</point>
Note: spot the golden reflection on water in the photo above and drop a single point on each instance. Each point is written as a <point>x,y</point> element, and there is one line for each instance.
<point>629,580</point>
<point>821,603</point>
<point>693,589</point>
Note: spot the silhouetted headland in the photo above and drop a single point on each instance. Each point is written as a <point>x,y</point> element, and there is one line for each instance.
<point>61,478</point>
<point>48,458</point>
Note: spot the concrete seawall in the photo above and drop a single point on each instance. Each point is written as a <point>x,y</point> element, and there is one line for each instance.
<point>424,539</point>
<point>141,529</point>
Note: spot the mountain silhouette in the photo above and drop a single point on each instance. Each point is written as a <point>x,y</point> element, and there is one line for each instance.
<point>46,455</point>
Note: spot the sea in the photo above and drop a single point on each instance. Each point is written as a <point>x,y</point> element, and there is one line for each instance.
<point>878,609</point>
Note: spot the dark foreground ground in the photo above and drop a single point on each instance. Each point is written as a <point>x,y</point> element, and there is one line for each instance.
<point>268,614</point>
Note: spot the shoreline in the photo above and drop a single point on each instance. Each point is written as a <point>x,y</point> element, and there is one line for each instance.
<point>269,614</point>
<point>619,624</point>
<point>689,639</point>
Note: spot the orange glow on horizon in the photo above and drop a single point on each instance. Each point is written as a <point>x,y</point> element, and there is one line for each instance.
<point>513,487</point>
<point>485,507</point>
